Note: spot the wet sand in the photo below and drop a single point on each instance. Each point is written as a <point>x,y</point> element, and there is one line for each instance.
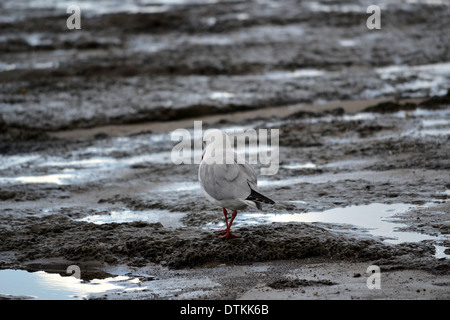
<point>86,176</point>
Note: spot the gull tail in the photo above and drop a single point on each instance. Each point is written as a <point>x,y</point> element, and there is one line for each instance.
<point>258,198</point>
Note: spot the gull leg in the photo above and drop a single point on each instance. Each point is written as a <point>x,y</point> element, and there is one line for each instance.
<point>229,235</point>
<point>233,215</point>
<point>225,213</point>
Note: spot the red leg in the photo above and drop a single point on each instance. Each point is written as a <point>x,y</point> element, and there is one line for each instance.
<point>233,215</point>
<point>225,213</point>
<point>229,235</point>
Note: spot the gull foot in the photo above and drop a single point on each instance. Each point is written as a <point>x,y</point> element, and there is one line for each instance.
<point>218,231</point>
<point>229,235</point>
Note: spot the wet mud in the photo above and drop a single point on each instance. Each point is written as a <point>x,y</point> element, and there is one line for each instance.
<point>86,176</point>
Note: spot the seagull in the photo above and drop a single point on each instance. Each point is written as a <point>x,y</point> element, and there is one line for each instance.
<point>225,182</point>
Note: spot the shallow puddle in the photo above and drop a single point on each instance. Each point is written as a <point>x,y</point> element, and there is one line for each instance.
<point>165,217</point>
<point>50,178</point>
<point>300,73</point>
<point>40,285</point>
<point>414,78</point>
<point>376,219</point>
<point>296,166</point>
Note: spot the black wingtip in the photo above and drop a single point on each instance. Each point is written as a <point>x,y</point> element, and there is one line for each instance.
<point>258,198</point>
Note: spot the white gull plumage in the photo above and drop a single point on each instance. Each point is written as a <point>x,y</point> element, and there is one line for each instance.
<point>226,181</point>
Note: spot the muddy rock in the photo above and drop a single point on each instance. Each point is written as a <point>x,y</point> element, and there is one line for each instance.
<point>139,243</point>
<point>298,283</point>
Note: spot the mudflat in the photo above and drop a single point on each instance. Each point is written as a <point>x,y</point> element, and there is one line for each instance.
<point>86,176</point>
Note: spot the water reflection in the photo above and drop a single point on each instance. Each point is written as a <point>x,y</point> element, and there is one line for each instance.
<point>377,219</point>
<point>50,178</point>
<point>15,284</point>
